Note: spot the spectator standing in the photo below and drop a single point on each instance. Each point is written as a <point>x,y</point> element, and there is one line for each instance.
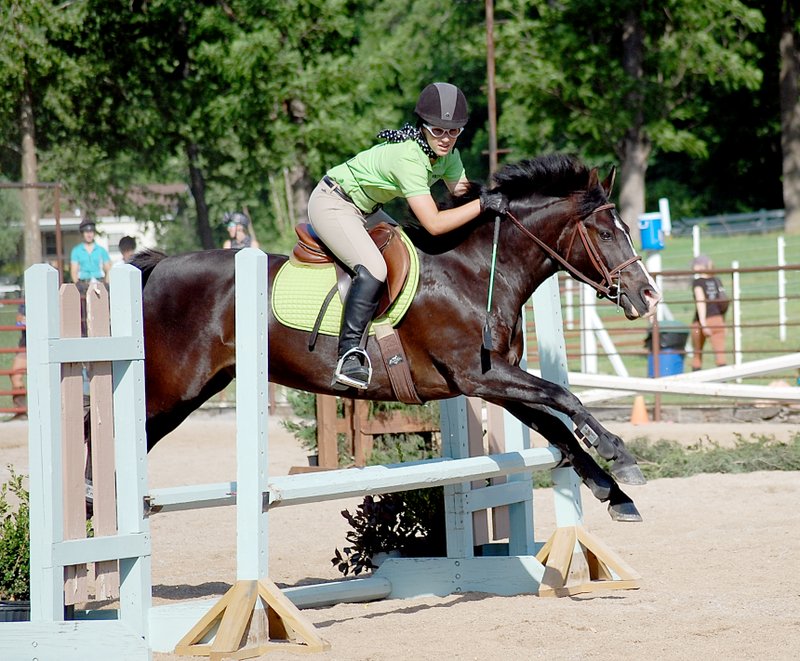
<point>238,231</point>
<point>89,262</point>
<point>711,304</point>
<point>127,248</point>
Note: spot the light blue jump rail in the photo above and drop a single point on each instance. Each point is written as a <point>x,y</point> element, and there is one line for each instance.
<point>140,627</point>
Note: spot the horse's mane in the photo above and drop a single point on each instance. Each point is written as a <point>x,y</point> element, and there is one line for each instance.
<point>145,261</point>
<point>553,175</point>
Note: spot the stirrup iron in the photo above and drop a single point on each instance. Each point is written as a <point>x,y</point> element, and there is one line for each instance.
<point>339,377</point>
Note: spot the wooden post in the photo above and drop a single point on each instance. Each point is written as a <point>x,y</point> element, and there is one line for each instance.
<point>362,441</point>
<point>104,492</point>
<point>327,445</point>
<point>72,447</point>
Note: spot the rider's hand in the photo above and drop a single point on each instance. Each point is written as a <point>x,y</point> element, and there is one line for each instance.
<point>492,201</point>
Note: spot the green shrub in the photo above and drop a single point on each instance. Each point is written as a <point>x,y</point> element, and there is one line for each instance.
<point>304,406</point>
<point>670,459</point>
<point>14,540</point>
<point>409,522</point>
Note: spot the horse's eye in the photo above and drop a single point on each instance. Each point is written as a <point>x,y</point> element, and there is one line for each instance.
<point>605,235</point>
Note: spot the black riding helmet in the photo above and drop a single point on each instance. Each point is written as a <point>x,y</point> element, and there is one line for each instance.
<point>443,104</point>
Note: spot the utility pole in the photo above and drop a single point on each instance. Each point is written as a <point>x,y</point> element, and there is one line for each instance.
<point>491,100</point>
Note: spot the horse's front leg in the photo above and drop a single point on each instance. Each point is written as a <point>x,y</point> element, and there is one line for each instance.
<point>507,383</point>
<point>599,482</point>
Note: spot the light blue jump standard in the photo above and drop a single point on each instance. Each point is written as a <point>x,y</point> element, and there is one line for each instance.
<point>47,635</point>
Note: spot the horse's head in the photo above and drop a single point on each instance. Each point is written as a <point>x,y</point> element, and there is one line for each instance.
<point>563,207</point>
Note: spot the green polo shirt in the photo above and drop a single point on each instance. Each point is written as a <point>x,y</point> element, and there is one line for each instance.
<point>394,169</point>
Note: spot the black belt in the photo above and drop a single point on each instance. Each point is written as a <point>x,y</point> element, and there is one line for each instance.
<point>337,188</point>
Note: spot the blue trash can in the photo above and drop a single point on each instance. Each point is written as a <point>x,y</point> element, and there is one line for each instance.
<point>669,363</point>
<point>651,234</point>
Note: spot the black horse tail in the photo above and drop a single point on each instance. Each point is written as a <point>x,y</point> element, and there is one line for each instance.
<point>146,261</point>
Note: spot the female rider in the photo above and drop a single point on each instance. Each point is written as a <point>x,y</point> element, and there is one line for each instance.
<point>407,164</point>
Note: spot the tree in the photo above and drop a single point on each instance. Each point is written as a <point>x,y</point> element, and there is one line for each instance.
<point>620,89</point>
<point>790,112</point>
<point>35,79</point>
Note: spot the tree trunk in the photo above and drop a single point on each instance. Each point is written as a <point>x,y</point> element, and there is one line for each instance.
<point>632,179</point>
<point>30,194</point>
<point>636,146</point>
<point>198,187</point>
<point>790,116</point>
<point>299,185</point>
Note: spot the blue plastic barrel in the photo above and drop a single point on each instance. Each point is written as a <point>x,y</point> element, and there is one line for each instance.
<point>669,362</point>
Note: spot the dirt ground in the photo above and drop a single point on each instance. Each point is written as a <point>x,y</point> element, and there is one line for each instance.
<point>718,556</point>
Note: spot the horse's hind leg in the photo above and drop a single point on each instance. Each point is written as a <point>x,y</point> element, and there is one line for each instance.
<point>599,482</point>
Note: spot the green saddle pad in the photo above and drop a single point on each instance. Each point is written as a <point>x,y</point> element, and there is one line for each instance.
<point>299,291</point>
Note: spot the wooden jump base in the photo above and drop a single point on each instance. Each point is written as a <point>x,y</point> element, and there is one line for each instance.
<point>254,616</point>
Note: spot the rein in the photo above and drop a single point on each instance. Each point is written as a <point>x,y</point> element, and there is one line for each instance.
<point>608,287</point>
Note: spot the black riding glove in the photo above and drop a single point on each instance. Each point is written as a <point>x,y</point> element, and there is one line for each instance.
<point>496,202</point>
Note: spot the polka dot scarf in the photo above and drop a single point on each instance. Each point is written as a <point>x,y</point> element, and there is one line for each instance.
<point>408,132</point>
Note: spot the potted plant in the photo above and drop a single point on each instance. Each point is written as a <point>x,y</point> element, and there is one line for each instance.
<point>14,550</point>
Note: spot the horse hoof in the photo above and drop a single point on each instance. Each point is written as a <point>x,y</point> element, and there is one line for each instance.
<point>627,473</point>
<point>624,512</point>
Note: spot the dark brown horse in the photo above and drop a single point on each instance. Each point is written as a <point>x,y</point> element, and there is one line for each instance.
<point>559,215</point>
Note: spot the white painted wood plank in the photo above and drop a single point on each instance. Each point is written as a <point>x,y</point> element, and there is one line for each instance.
<point>98,549</point>
<point>418,577</point>
<point>252,414</point>
<point>76,350</point>
<point>611,387</point>
<point>353,482</point>
<point>553,359</point>
<point>71,641</point>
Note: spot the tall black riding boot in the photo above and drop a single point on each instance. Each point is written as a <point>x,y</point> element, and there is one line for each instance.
<point>354,368</point>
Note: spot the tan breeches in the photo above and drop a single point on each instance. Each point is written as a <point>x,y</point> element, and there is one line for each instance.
<point>341,227</point>
<point>715,324</point>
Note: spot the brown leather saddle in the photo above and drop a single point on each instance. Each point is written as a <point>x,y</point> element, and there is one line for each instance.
<point>309,250</point>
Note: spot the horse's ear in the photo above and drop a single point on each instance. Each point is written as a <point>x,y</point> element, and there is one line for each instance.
<point>608,182</point>
<point>594,180</point>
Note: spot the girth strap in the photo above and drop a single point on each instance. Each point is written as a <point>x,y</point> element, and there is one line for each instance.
<point>394,359</point>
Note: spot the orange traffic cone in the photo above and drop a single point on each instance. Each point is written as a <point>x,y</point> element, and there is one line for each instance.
<point>639,411</point>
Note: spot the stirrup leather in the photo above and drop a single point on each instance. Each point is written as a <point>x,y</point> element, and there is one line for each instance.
<point>348,381</point>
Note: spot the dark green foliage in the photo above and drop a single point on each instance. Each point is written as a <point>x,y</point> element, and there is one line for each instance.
<point>14,540</point>
<point>410,523</point>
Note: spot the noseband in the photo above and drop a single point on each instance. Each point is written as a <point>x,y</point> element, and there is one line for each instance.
<point>608,287</point>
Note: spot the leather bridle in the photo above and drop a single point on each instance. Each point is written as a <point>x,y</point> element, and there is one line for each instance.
<point>609,286</point>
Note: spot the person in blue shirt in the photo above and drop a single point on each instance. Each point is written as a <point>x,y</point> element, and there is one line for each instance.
<point>89,262</point>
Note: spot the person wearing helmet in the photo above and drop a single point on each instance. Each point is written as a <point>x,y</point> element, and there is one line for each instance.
<point>406,164</point>
<point>89,261</point>
<point>238,227</point>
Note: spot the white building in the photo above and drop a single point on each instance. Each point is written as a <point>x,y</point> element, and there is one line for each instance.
<point>111,226</point>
